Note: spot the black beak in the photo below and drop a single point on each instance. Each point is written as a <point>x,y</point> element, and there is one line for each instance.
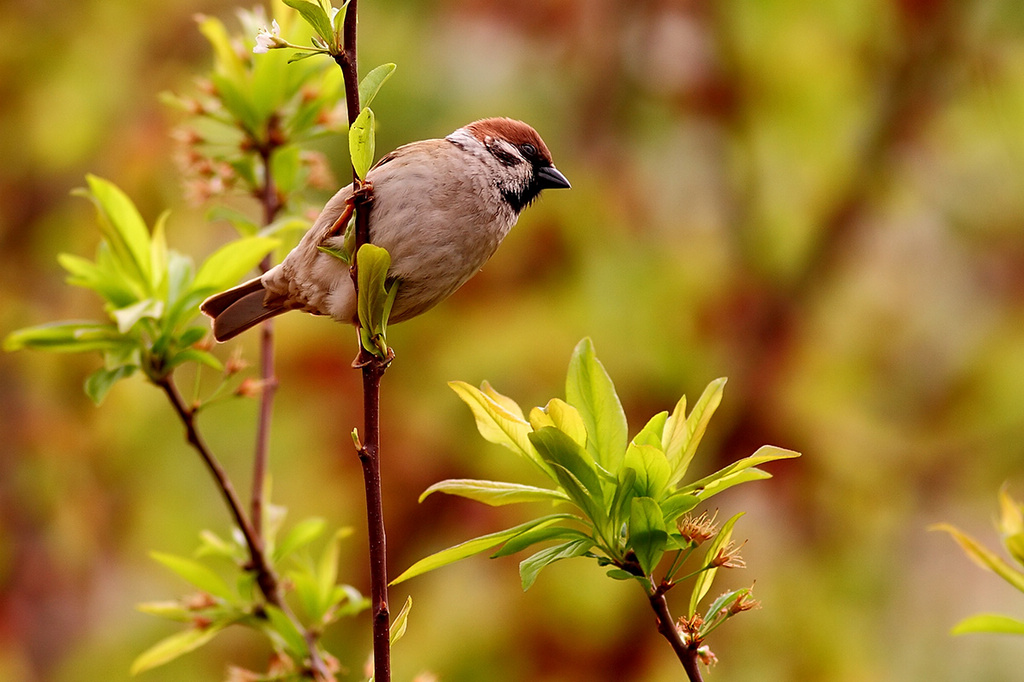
<point>549,177</point>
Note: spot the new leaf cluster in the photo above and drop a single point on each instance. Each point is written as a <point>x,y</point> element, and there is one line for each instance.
<point>618,500</point>
<point>151,295</point>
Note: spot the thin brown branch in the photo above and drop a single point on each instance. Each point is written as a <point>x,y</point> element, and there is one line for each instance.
<point>369,458</point>
<point>687,652</point>
<point>266,577</point>
<point>373,369</point>
<point>268,381</point>
<point>271,203</point>
<point>348,62</point>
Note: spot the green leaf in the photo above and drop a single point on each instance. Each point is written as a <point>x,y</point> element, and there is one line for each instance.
<point>197,574</point>
<point>306,588</point>
<point>706,577</point>
<point>500,421</point>
<point>544,534</point>
<point>242,223</point>
<point>226,56</point>
<point>589,389</point>
<point>504,401</point>
<point>372,82</point>
<point>348,601</point>
<point>286,168</point>
<point>123,228</point>
<point>652,432</point>
<point>728,481</point>
<point>172,647</point>
<point>652,470</point>
<point>299,56</point>
<point>375,297</point>
<point>315,16</point>
<point>556,447</point>
<point>474,546</point>
<point>171,610</point>
<point>1011,525</point>
<point>283,629</point>
<point>494,493</point>
<point>269,86</point>
<point>401,621</point>
<point>562,416</point>
<point>361,142</point>
<point>67,337</point>
<point>647,533</point>
<point>339,253</point>
<point>238,103</point>
<point>228,264</point>
<point>588,504</point>
<point>989,622</point>
<point>211,544</point>
<point>723,603</point>
<point>194,355</point>
<point>128,317</point>
<point>158,252</point>
<point>764,454</point>
<point>339,20</point>
<point>531,567</point>
<point>327,574</point>
<point>682,434</point>
<point>678,504</point>
<point>302,534</point>
<point>1011,518</point>
<point>983,556</point>
<point>624,493</point>
<point>99,383</point>
<point>109,283</point>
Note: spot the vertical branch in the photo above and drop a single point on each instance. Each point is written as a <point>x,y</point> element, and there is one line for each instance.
<point>348,61</point>
<point>369,458</point>
<point>373,369</point>
<point>268,380</point>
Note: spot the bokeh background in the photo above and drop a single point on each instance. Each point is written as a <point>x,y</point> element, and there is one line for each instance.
<point>823,201</point>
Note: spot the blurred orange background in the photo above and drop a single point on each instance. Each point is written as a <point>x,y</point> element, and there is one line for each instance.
<point>822,201</point>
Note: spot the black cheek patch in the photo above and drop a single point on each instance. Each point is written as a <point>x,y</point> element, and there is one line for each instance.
<point>521,199</point>
<point>504,158</point>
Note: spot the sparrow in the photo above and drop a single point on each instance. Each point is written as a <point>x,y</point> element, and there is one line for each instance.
<point>440,207</point>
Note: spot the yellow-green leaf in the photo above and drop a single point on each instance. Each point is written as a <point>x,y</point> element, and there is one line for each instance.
<point>683,433</point>
<point>229,263</point>
<point>372,82</point>
<point>494,493</point>
<point>474,546</point>
<point>647,533</point>
<point>562,416</point>
<point>123,228</point>
<point>989,622</point>
<point>706,577</point>
<point>197,574</point>
<point>401,621</point>
<point>361,142</point>
<point>498,422</point>
<point>983,556</point>
<point>590,390</point>
<point>171,647</point>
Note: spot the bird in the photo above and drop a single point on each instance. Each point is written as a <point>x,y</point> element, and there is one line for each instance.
<point>441,207</point>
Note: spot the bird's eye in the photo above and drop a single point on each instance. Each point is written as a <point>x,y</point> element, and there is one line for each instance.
<point>528,150</point>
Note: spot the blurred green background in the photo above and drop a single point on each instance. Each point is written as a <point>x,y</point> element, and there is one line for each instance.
<point>822,201</point>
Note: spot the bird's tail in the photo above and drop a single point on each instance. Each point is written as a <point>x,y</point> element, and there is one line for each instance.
<point>235,310</point>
